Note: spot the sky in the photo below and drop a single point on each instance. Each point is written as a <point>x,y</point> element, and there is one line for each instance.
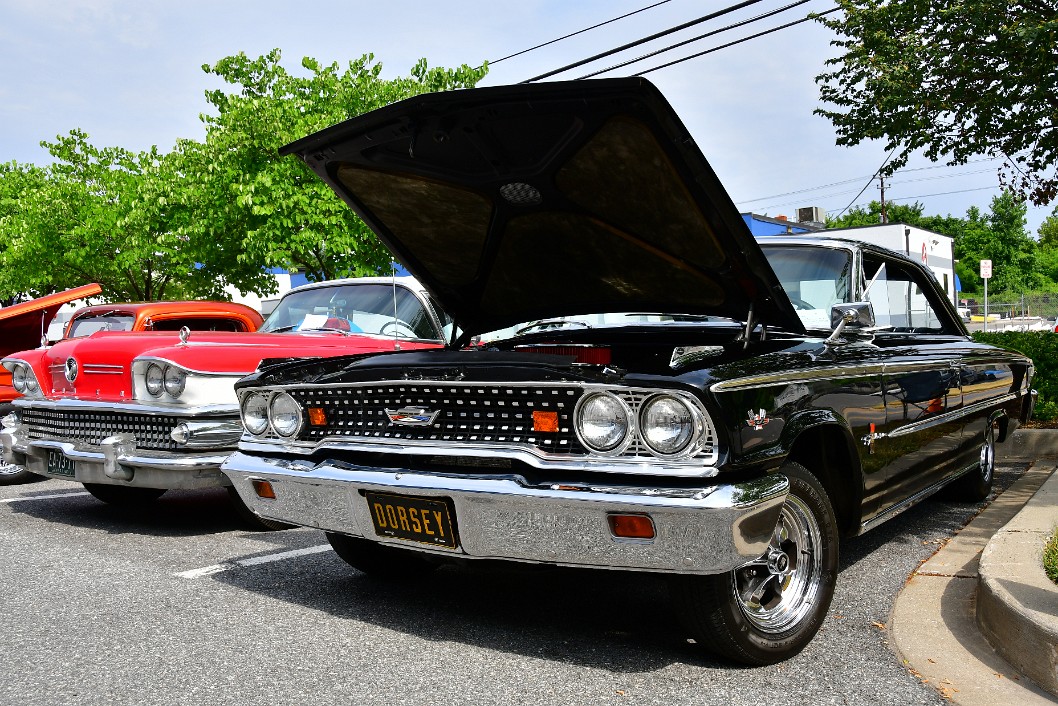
<point>128,72</point>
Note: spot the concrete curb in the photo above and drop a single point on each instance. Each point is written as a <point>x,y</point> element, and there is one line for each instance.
<point>1017,605</point>
<point>1029,445</point>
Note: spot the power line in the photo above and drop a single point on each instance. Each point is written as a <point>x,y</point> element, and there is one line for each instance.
<point>695,39</point>
<point>638,42</point>
<point>579,31</point>
<point>739,41</point>
<point>878,171</point>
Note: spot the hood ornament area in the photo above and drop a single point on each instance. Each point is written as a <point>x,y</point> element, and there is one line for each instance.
<point>185,333</point>
<point>412,416</point>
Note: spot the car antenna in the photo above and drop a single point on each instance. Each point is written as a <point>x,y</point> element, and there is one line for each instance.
<point>393,275</point>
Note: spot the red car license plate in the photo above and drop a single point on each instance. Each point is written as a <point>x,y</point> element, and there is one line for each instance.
<point>423,520</point>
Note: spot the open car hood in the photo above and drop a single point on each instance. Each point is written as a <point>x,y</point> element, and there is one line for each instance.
<point>517,203</point>
<point>22,325</point>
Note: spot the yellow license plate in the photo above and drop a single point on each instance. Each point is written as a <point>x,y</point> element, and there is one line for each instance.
<point>424,520</point>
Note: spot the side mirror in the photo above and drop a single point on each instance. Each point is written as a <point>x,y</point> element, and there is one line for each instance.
<point>857,314</point>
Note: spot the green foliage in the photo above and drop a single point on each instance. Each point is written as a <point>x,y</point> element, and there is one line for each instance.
<point>950,79</point>
<point>279,211</point>
<point>1042,347</point>
<point>1050,557</point>
<point>1049,230</point>
<point>189,222</point>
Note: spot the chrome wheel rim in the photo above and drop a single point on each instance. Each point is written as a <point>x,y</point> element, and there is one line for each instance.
<point>988,455</point>
<point>776,591</point>
<point>9,469</point>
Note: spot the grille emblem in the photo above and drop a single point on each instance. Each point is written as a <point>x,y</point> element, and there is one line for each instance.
<point>412,416</point>
<point>71,369</point>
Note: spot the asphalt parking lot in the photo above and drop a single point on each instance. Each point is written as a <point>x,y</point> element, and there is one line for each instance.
<point>179,604</point>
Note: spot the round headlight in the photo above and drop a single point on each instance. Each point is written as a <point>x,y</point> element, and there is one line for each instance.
<point>31,382</point>
<point>667,424</point>
<point>602,421</point>
<point>255,413</point>
<point>153,380</point>
<point>174,380</point>
<point>285,415</point>
<point>18,378</point>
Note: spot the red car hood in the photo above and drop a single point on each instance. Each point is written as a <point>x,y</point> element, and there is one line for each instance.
<point>22,325</point>
<point>104,359</point>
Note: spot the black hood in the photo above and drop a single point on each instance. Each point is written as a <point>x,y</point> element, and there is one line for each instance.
<point>516,203</point>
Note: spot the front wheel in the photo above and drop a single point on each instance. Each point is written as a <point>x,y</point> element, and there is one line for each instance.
<point>123,496</point>
<point>10,474</point>
<point>380,560</point>
<point>768,609</point>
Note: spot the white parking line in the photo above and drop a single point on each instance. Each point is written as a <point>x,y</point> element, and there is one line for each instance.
<point>43,497</point>
<point>252,561</point>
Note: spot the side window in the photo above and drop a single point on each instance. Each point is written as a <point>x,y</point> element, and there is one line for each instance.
<point>899,299</point>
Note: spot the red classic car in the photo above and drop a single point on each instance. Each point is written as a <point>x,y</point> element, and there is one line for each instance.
<point>23,326</point>
<point>131,415</point>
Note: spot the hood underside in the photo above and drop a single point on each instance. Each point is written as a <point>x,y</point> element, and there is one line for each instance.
<point>23,325</point>
<point>519,203</point>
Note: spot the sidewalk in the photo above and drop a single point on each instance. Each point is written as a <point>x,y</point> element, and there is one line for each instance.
<point>934,622</point>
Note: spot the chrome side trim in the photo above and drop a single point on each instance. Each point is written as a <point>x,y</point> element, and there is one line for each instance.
<point>101,369</point>
<point>906,503</point>
<point>946,417</point>
<point>818,375</point>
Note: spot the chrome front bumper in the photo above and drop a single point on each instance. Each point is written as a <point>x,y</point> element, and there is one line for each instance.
<point>705,530</point>
<point>117,461</point>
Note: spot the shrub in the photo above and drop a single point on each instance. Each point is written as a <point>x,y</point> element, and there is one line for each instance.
<point>1042,347</point>
<point>1050,558</point>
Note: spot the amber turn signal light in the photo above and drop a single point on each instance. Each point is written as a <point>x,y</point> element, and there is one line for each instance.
<point>632,526</point>
<point>545,421</point>
<point>317,417</point>
<point>263,489</point>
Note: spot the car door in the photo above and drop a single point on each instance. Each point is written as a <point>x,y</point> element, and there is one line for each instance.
<point>926,438</point>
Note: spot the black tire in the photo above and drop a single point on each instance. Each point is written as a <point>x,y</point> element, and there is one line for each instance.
<point>379,560</point>
<point>10,474</point>
<point>976,485</point>
<point>251,518</point>
<point>122,495</point>
<point>767,610</point>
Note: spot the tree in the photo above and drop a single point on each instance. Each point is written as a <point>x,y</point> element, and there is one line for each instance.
<point>1049,231</point>
<point>101,215</point>
<point>953,80</point>
<point>998,236</point>
<point>280,212</point>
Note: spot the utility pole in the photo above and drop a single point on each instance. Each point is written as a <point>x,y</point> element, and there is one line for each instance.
<point>881,187</point>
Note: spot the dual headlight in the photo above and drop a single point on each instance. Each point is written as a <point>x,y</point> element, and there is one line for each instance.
<point>23,379</point>
<point>170,379</point>
<point>281,413</point>
<point>669,425</point>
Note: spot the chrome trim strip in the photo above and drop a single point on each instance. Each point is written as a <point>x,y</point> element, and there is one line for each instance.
<point>640,465</point>
<point>818,375</point>
<point>104,406</point>
<point>705,530</point>
<point>190,371</point>
<point>101,369</point>
<point>906,503</point>
<point>946,417</point>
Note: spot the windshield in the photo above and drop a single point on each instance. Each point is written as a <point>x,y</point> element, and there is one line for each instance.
<point>815,279</point>
<point>380,309</point>
<point>87,325</point>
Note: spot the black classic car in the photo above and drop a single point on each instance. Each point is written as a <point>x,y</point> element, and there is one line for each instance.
<point>680,399</point>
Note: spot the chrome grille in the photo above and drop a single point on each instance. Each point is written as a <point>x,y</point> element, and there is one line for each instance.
<point>501,414</point>
<point>151,431</point>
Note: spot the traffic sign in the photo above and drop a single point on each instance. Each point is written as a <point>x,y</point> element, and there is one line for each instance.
<point>986,269</point>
